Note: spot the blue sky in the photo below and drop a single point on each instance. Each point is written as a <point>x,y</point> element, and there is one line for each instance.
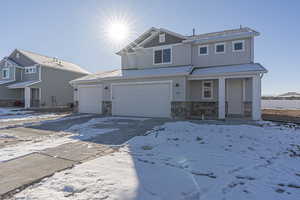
<point>73,29</point>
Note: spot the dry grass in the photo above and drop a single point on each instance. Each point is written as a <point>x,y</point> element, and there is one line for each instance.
<point>281,115</point>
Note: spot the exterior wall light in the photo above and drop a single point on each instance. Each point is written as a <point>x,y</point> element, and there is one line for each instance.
<point>177,85</point>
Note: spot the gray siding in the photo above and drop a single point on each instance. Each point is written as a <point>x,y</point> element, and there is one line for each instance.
<point>169,39</point>
<point>181,55</point>
<point>195,91</point>
<point>55,85</point>
<point>33,76</point>
<point>22,60</point>
<point>228,58</point>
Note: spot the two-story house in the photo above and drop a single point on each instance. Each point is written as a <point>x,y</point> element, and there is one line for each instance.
<point>166,74</point>
<point>36,80</point>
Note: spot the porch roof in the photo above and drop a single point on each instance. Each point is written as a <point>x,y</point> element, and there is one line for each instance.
<point>5,81</point>
<point>229,69</point>
<point>136,73</point>
<point>22,84</point>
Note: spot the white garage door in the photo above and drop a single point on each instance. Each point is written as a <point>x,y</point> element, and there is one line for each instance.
<point>90,99</point>
<point>142,99</point>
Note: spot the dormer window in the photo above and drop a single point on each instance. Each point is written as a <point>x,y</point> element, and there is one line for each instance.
<point>220,48</point>
<point>162,37</point>
<point>30,70</point>
<point>5,73</point>
<point>238,46</point>
<point>162,56</point>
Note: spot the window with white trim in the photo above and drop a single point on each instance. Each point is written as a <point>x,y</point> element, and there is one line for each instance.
<point>220,48</point>
<point>30,70</point>
<point>238,46</point>
<point>203,50</point>
<point>5,73</point>
<point>162,37</point>
<point>162,56</point>
<point>207,89</point>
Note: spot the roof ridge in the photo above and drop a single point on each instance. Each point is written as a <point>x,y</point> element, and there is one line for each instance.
<point>226,30</point>
<point>46,56</point>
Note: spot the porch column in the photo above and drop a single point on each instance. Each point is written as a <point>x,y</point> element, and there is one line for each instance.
<point>27,96</point>
<point>256,98</point>
<point>221,100</point>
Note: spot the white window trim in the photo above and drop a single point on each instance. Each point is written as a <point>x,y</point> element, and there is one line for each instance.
<point>211,89</point>
<point>207,50</point>
<point>8,73</point>
<point>162,48</point>
<point>238,41</point>
<point>162,37</point>
<point>34,70</point>
<point>223,52</point>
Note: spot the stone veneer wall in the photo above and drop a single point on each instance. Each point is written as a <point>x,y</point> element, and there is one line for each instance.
<point>186,110</point>
<point>180,109</point>
<point>107,107</point>
<point>209,110</point>
<point>247,108</point>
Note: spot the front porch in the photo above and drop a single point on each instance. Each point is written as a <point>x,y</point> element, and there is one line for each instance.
<point>220,97</point>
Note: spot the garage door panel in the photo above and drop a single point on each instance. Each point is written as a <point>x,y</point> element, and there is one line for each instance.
<point>90,99</point>
<point>148,100</point>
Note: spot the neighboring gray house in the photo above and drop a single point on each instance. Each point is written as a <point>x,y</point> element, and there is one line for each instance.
<point>166,74</point>
<point>36,80</point>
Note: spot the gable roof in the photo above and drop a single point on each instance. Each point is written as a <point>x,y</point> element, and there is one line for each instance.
<point>52,62</point>
<point>150,33</point>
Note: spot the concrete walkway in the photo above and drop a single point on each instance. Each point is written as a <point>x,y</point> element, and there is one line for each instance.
<point>19,173</point>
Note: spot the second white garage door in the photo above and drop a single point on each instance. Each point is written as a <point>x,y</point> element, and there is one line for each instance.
<point>142,99</point>
<point>90,99</point>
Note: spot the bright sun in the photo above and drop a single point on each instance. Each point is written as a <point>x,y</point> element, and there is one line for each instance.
<point>118,31</point>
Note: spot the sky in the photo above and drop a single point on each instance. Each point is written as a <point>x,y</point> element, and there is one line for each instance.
<point>75,30</point>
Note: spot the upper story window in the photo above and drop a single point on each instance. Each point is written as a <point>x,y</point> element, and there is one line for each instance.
<point>162,37</point>
<point>5,73</point>
<point>30,70</point>
<point>162,56</point>
<point>238,46</point>
<point>203,50</point>
<point>207,89</point>
<point>220,48</point>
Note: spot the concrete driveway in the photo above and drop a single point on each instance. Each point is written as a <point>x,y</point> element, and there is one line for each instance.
<point>21,172</point>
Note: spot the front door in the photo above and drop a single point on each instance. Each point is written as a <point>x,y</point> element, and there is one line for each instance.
<point>234,96</point>
<point>35,97</point>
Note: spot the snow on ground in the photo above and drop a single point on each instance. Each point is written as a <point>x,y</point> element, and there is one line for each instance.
<point>25,148</point>
<point>13,111</point>
<point>88,130</point>
<point>75,133</point>
<point>24,117</point>
<point>183,160</point>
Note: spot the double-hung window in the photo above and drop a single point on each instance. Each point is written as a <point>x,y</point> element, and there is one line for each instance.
<point>207,89</point>
<point>220,48</point>
<point>30,70</point>
<point>203,50</point>
<point>5,73</point>
<point>162,56</point>
<point>238,46</point>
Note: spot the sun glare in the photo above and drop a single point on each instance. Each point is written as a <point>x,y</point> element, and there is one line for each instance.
<point>117,28</point>
<point>118,31</point>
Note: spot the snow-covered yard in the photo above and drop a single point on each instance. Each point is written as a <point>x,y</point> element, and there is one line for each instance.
<point>183,160</point>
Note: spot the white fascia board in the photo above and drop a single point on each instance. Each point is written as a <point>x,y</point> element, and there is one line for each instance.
<point>221,38</point>
<point>172,33</point>
<point>226,75</point>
